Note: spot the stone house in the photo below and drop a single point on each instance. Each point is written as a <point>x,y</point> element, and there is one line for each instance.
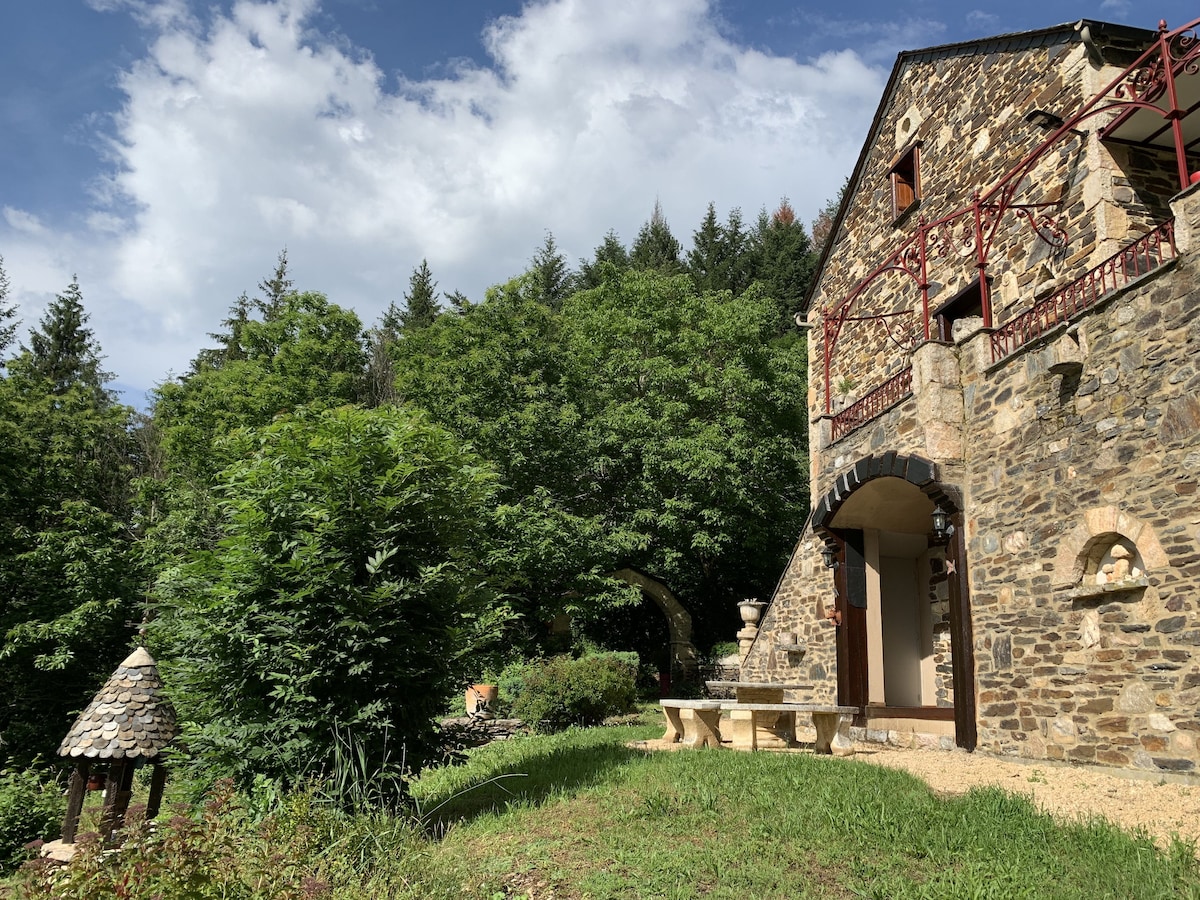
<point>1004,352</point>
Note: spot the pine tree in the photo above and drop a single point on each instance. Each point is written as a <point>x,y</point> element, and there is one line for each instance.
<point>822,226</point>
<point>232,344</point>
<point>63,350</point>
<point>610,258</point>
<point>275,288</point>
<point>8,314</point>
<point>551,279</point>
<point>656,248</point>
<point>787,259</point>
<point>459,301</point>
<point>420,303</point>
<point>706,261</point>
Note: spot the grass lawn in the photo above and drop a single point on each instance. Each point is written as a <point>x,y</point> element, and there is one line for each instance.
<point>588,817</point>
<point>581,815</point>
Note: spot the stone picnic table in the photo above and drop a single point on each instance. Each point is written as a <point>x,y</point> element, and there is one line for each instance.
<point>758,717</point>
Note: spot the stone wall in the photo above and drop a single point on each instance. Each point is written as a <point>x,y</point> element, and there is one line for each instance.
<point>1056,464</point>
<point>1061,465</point>
<point>965,109</point>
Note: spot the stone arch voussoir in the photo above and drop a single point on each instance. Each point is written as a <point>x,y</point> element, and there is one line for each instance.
<point>921,473</point>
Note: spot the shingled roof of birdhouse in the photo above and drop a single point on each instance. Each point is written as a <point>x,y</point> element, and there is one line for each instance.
<point>128,718</point>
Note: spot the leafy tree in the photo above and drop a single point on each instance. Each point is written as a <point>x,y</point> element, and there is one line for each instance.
<point>309,352</point>
<point>345,596</point>
<point>551,279</point>
<point>655,248</point>
<point>694,434</point>
<point>646,425</point>
<point>611,258</point>
<point>420,303</point>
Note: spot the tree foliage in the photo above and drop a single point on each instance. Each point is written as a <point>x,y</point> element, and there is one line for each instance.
<point>549,273</point>
<point>655,248</point>
<point>420,303</point>
<point>69,571</point>
<point>609,259</point>
<point>648,424</point>
<point>344,594</point>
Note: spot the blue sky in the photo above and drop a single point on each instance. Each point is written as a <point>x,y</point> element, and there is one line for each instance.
<point>166,150</point>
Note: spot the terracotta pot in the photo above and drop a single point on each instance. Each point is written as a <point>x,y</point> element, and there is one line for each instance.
<point>481,701</point>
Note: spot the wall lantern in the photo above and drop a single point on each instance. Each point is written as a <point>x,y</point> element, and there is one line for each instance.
<point>827,557</point>
<point>942,529</point>
<point>1043,119</point>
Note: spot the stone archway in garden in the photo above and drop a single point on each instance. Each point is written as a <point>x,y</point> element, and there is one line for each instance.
<point>684,659</point>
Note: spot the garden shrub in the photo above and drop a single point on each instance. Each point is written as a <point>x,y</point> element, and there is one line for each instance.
<point>554,694</point>
<point>31,808</point>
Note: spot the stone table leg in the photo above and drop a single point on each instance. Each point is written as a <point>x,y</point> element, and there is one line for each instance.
<point>674,725</point>
<point>701,727</point>
<point>833,734</point>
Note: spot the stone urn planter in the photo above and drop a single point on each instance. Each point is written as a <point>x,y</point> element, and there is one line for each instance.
<point>751,611</point>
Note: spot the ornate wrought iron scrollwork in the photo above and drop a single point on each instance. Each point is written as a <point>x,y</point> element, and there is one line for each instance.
<point>1051,230</point>
<point>951,238</point>
<point>1144,84</point>
<point>1184,48</point>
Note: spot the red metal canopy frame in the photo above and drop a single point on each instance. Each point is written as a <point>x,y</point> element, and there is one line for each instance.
<point>1150,84</point>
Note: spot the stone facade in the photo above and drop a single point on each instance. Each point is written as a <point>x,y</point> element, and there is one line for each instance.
<point>1069,585</point>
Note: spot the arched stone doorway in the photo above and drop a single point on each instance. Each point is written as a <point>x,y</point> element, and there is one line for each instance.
<point>904,646</point>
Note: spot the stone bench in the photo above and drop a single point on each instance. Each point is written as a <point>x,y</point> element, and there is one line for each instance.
<point>774,724</point>
<point>697,723</point>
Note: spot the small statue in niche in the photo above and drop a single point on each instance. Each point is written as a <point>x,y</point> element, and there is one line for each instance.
<point>1121,563</point>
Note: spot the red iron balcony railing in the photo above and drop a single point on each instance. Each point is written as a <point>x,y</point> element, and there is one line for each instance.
<point>1144,255</point>
<point>873,405</point>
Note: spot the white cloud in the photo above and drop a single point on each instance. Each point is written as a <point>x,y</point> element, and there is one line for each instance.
<point>251,133</point>
<point>985,22</point>
<point>23,221</point>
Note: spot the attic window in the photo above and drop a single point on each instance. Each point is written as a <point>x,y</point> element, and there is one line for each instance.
<point>906,182</point>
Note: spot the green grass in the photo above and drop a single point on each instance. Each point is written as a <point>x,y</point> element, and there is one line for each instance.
<point>581,815</point>
<point>592,818</point>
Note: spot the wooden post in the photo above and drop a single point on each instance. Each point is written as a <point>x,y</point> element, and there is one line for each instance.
<point>76,792</point>
<point>157,781</point>
<point>116,799</point>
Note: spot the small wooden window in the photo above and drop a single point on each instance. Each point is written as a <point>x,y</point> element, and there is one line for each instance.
<point>906,182</point>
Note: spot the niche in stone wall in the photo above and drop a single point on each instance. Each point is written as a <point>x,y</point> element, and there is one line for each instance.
<point>1109,551</point>
<point>1113,560</point>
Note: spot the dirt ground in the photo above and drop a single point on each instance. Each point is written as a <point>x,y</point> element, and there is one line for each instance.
<point>1131,799</point>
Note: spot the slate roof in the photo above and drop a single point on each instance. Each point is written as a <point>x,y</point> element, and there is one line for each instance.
<point>128,718</point>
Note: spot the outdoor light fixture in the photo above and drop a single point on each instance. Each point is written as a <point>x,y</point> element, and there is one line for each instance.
<point>828,558</point>
<point>942,529</point>
<point>1043,119</point>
